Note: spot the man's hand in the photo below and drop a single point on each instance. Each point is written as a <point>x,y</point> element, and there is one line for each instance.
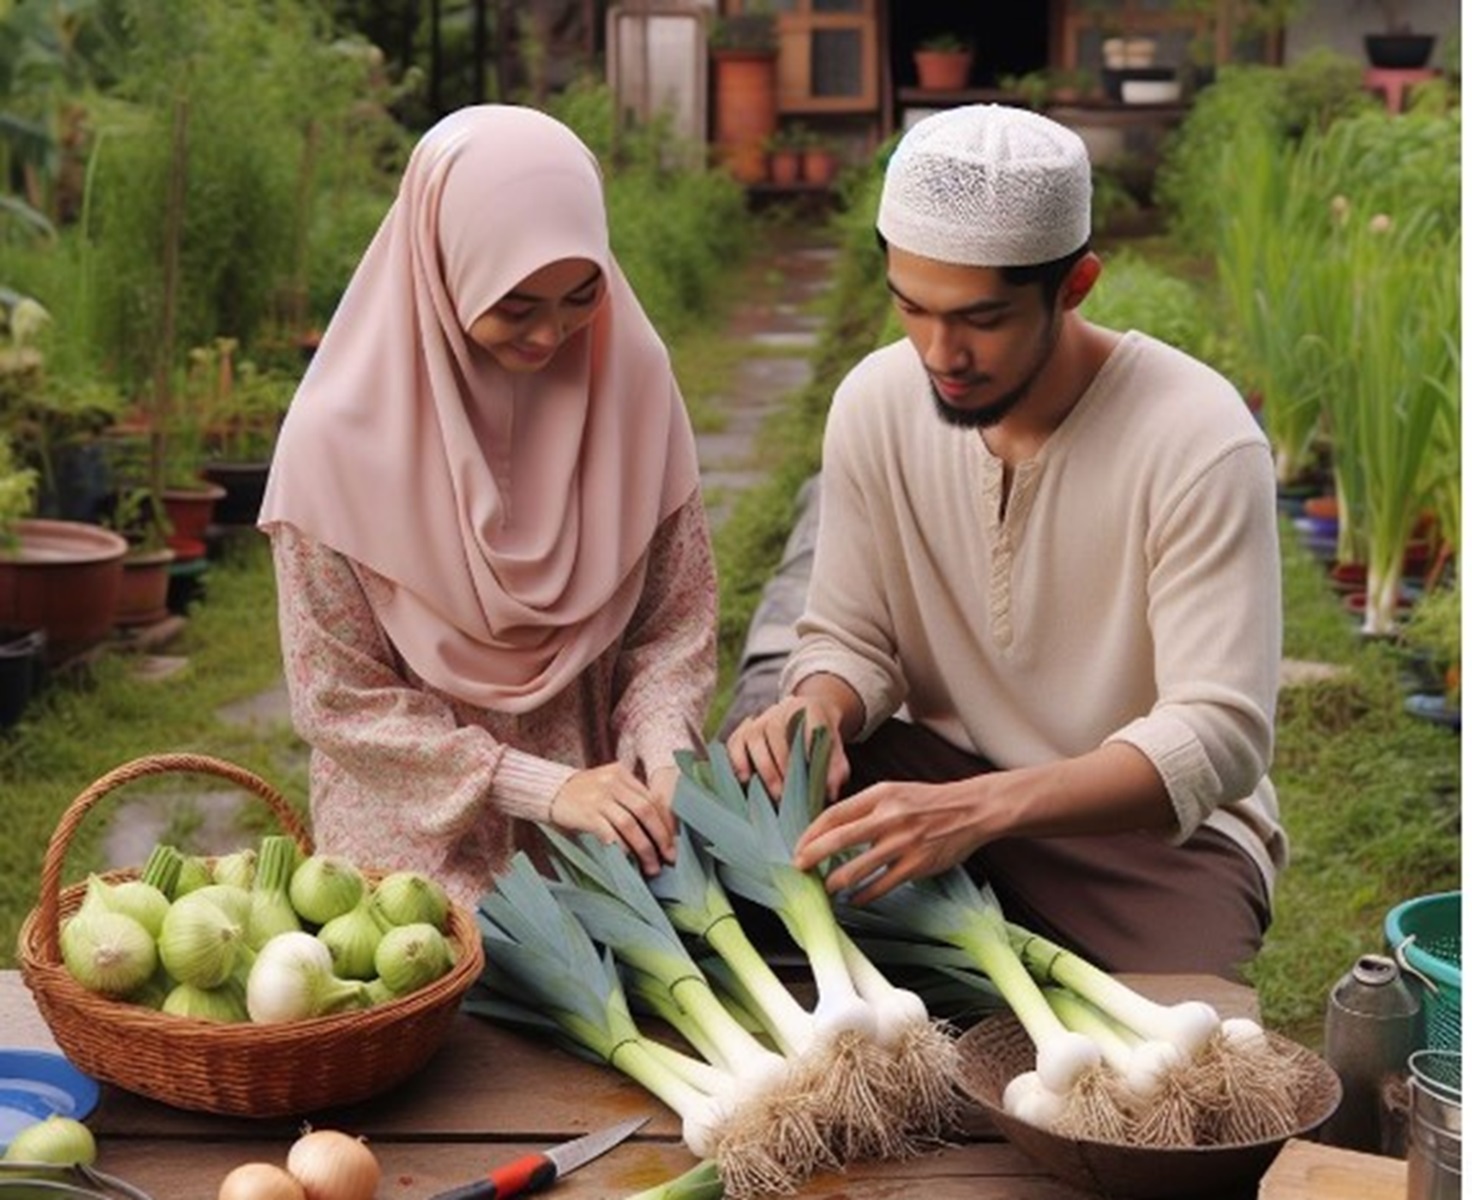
<point>762,744</point>
<point>615,807</point>
<point>909,831</point>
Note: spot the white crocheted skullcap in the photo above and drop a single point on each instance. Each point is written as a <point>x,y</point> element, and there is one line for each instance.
<point>988,186</point>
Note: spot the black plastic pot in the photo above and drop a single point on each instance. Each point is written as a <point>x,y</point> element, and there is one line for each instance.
<point>1399,51</point>
<point>22,671</point>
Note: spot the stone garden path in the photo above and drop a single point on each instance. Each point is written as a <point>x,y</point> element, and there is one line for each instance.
<point>774,314</point>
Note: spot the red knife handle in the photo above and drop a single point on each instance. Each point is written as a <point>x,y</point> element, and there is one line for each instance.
<point>529,1173</point>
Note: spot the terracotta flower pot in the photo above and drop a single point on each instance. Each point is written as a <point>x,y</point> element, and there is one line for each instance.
<point>63,577</point>
<point>785,167</point>
<point>943,70</point>
<point>143,597</point>
<point>190,510</point>
<point>745,110</point>
<point>819,167</point>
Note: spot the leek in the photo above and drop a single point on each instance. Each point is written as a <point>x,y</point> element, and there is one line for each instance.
<point>536,950</point>
<point>885,1070</point>
<point>777,1139</point>
<point>700,1182</point>
<point>951,909</point>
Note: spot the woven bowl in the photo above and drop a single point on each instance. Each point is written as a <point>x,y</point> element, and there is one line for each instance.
<point>242,1070</point>
<point>997,1049</point>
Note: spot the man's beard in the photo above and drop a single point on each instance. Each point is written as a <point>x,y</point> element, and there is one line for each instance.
<point>990,415</point>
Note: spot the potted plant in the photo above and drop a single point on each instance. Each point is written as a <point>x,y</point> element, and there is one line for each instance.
<point>819,158</point>
<point>1395,46</point>
<point>144,591</point>
<point>1032,89</point>
<point>784,156</point>
<point>743,49</point>
<point>241,407</point>
<point>943,62</point>
<point>1433,633</point>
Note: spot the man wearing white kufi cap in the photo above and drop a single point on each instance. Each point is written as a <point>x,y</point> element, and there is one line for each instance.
<point>1044,619</point>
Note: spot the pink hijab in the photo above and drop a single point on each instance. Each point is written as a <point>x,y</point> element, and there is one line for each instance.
<point>511,514</point>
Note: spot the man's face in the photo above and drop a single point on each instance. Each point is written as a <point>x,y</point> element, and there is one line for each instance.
<point>983,341</point>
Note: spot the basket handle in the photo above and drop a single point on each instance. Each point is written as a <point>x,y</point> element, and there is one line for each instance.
<point>49,906</point>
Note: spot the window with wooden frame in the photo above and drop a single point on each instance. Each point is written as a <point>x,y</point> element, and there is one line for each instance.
<point>828,58</point>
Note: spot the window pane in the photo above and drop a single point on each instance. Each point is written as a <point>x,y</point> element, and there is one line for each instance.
<point>838,67</point>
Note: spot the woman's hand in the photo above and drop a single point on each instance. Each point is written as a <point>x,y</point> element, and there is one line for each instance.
<point>612,804</point>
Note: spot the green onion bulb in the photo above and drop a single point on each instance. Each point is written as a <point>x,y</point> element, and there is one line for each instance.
<point>407,898</point>
<point>291,980</point>
<point>411,956</point>
<point>224,1004</point>
<point>132,897</point>
<point>238,869</point>
<point>194,873</point>
<point>57,1141</point>
<point>352,940</point>
<point>325,886</point>
<point>200,943</point>
<point>107,952</point>
<point>233,901</point>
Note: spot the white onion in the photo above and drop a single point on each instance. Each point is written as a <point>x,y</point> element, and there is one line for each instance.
<point>260,1181</point>
<point>331,1165</point>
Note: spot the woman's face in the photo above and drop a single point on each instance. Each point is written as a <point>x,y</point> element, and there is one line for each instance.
<point>523,330</point>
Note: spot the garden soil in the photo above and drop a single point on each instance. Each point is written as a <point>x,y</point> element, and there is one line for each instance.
<point>776,313</point>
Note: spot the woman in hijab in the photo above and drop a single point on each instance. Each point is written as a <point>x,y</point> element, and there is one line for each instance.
<point>496,588</point>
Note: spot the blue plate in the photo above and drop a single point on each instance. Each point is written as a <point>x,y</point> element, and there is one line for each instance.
<point>35,1084</point>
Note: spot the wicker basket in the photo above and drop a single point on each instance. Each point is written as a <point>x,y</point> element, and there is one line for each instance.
<point>239,1070</point>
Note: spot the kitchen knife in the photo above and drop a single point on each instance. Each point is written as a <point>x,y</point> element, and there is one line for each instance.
<point>533,1172</point>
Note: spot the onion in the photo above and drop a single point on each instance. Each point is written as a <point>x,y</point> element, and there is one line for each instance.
<point>57,1140</point>
<point>331,1165</point>
<point>260,1181</point>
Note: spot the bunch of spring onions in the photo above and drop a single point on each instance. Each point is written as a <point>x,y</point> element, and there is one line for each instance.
<point>766,1089</point>
<point>1111,1064</point>
<point>263,935</point>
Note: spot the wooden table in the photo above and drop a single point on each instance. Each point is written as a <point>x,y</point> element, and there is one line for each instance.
<point>489,1094</point>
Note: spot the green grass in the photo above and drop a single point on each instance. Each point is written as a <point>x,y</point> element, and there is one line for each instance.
<point>1369,795</point>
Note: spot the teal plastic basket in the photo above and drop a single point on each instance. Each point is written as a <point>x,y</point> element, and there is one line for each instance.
<point>1425,935</point>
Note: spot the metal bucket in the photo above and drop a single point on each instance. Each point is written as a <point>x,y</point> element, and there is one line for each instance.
<point>1434,1155</point>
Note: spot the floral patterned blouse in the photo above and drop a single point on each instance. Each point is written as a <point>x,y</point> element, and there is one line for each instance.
<point>404,776</point>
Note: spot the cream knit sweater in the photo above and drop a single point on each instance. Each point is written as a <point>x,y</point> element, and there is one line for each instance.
<point>1130,592</point>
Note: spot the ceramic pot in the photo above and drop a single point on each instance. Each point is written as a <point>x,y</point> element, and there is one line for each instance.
<point>143,598</point>
<point>819,167</point>
<point>746,110</point>
<point>62,577</point>
<point>245,488</point>
<point>190,510</point>
<point>943,70</point>
<point>785,167</point>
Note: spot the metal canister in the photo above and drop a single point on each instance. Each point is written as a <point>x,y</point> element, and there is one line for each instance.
<point>1371,1028</point>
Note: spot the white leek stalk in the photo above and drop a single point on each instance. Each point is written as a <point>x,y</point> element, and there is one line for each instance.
<point>1188,1026</point>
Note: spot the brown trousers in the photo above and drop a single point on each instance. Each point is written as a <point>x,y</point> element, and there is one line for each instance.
<point>1127,901</point>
